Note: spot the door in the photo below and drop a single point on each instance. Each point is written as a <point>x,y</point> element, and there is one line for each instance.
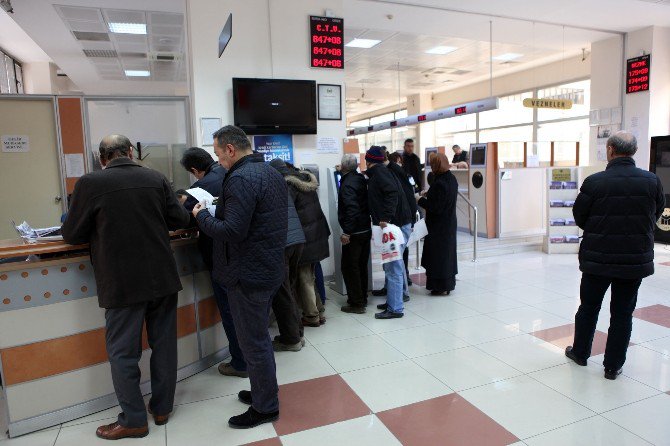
<point>30,181</point>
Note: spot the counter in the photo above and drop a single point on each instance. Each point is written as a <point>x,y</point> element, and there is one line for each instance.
<point>52,337</point>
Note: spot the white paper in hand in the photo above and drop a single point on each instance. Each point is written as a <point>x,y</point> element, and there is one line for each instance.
<point>419,232</point>
<point>201,195</point>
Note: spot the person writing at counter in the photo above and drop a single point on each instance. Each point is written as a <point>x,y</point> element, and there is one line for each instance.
<point>460,159</point>
<point>249,229</point>
<point>125,213</point>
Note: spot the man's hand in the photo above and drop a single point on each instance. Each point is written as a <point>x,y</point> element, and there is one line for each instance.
<point>345,239</point>
<point>383,224</point>
<point>197,208</point>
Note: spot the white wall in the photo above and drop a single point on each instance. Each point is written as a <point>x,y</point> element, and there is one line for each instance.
<point>659,116</point>
<point>262,48</point>
<point>39,78</point>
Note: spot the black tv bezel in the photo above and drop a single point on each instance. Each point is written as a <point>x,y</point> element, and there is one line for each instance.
<point>276,129</point>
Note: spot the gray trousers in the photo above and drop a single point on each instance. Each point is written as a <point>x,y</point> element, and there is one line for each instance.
<point>251,316</point>
<point>123,336</point>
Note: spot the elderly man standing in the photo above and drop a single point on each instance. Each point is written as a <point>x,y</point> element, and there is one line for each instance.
<point>249,229</point>
<point>618,210</point>
<point>354,218</point>
<point>125,212</point>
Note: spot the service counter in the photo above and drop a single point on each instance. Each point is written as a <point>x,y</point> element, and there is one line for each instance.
<point>464,214</point>
<point>53,359</point>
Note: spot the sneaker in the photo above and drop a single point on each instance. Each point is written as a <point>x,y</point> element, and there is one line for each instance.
<point>252,418</point>
<point>388,315</point>
<point>245,396</point>
<point>379,293</point>
<point>281,347</point>
<point>571,354</point>
<point>612,374</point>
<point>352,309</point>
<point>228,370</point>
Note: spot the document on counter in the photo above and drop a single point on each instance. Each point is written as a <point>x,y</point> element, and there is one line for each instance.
<point>202,195</point>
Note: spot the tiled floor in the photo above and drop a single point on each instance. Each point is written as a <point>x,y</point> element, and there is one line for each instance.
<point>483,366</point>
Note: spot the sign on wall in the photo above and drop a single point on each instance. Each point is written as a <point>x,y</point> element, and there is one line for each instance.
<point>15,143</point>
<point>560,104</point>
<point>638,73</point>
<point>275,146</point>
<point>326,42</point>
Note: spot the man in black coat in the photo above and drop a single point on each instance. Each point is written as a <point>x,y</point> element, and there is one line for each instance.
<point>249,230</point>
<point>354,218</point>
<point>210,175</point>
<point>618,210</point>
<point>125,212</point>
<point>412,164</point>
<point>395,166</point>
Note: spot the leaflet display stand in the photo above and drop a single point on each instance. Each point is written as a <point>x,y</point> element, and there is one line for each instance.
<point>562,232</point>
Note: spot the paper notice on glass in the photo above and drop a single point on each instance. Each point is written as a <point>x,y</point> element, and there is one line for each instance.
<point>201,195</point>
<point>601,152</point>
<point>326,144</point>
<point>74,165</point>
<point>533,161</point>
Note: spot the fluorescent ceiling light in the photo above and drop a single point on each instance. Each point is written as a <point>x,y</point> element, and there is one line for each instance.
<point>138,73</point>
<point>508,56</point>
<point>128,28</point>
<point>362,43</point>
<point>441,50</point>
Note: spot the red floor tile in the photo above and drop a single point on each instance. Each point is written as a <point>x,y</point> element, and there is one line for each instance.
<point>317,402</point>
<point>656,314</point>
<point>665,263</point>
<point>418,278</point>
<point>563,336</point>
<point>269,442</point>
<point>449,420</point>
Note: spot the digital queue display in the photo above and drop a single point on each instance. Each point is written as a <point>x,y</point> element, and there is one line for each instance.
<point>460,110</point>
<point>638,72</point>
<point>326,42</point>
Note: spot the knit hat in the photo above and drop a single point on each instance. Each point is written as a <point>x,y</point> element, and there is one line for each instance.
<point>375,155</point>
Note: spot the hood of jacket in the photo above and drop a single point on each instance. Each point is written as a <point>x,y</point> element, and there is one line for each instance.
<point>303,181</point>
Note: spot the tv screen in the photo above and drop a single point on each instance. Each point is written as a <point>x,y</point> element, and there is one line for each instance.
<point>274,106</point>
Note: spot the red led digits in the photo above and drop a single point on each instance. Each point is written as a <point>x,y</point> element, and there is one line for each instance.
<point>638,72</point>
<point>327,42</point>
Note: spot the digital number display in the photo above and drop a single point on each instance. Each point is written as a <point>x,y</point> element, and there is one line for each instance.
<point>460,110</point>
<point>394,123</point>
<point>421,118</point>
<point>638,72</point>
<point>326,42</point>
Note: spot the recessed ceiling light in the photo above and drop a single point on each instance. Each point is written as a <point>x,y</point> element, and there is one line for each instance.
<point>128,28</point>
<point>138,73</point>
<point>362,43</point>
<point>508,56</point>
<point>441,50</point>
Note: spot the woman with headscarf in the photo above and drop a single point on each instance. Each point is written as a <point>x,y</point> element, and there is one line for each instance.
<point>439,249</point>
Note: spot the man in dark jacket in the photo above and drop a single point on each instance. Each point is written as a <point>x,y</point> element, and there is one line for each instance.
<point>412,164</point>
<point>125,212</point>
<point>388,205</point>
<point>210,175</point>
<point>618,210</point>
<point>249,231</point>
<point>354,218</point>
<point>395,166</point>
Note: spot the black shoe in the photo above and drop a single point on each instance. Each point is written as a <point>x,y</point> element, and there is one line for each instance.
<point>252,418</point>
<point>405,298</point>
<point>353,309</point>
<point>379,293</point>
<point>388,315</point>
<point>245,396</point>
<point>409,281</point>
<point>439,293</point>
<point>382,306</point>
<point>570,354</point>
<point>612,374</point>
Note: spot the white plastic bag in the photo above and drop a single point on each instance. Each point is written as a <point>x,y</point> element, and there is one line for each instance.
<point>389,239</point>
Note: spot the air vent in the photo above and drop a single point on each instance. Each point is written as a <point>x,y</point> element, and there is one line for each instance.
<point>460,72</point>
<point>421,84</point>
<point>399,68</point>
<point>367,81</point>
<point>164,57</point>
<point>100,53</point>
<point>92,37</point>
<point>509,62</point>
<point>132,55</point>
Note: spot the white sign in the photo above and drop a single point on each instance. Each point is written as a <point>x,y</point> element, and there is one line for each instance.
<point>15,143</point>
<point>74,165</point>
<point>326,144</point>
<point>330,102</point>
<point>209,126</point>
<point>533,161</point>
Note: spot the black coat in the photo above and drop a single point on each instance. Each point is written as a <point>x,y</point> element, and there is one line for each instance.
<point>250,226</point>
<point>125,212</point>
<point>618,210</point>
<point>386,199</point>
<point>407,187</point>
<point>352,204</point>
<point>303,186</point>
<point>295,234</point>
<point>411,164</point>
<point>439,249</point>
<point>212,182</point>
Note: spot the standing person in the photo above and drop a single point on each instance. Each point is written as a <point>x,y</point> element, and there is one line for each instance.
<point>249,229</point>
<point>125,212</point>
<point>388,205</point>
<point>439,249</point>
<point>412,164</point>
<point>395,166</point>
<point>460,159</point>
<point>302,186</point>
<point>210,175</point>
<point>618,210</point>
<point>354,218</point>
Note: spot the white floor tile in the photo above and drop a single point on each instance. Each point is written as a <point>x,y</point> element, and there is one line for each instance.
<point>647,419</point>
<point>531,294</point>
<point>359,353</point>
<point>336,330</point>
<point>102,415</point>
<point>393,385</point>
<point>525,353</point>
<point>525,407</point>
<point>409,320</point>
<point>595,431</point>
<point>84,434</point>
<point>661,345</point>
<point>442,309</point>
<point>466,368</point>
<point>364,431</point>
<point>421,341</point>
<point>497,284</point>
<point>564,308</point>
<point>478,329</point>
<point>646,366</point>
<point>208,384</point>
<point>644,331</point>
<point>587,386</point>
<point>301,366</point>
<point>529,319</point>
<point>42,438</point>
<point>489,302</point>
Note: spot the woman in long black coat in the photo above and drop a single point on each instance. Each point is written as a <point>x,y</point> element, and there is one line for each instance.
<point>439,249</point>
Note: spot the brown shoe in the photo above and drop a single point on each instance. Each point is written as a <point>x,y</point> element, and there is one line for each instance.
<point>115,431</point>
<point>159,420</point>
<point>228,370</point>
<point>307,323</point>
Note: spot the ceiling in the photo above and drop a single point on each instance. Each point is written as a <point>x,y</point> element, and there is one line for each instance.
<point>15,40</point>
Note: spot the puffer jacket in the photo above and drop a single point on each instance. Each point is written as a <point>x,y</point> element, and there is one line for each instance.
<point>295,235</point>
<point>618,210</point>
<point>386,198</point>
<point>352,204</point>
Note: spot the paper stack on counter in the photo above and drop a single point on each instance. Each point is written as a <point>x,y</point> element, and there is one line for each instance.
<point>202,195</point>
<point>32,235</point>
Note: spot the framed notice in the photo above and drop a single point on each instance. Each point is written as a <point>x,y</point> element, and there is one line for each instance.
<point>330,102</point>
<point>208,127</point>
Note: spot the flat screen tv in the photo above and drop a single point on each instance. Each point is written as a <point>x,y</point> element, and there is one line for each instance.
<point>275,106</point>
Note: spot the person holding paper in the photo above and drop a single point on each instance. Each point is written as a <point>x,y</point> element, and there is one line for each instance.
<point>439,249</point>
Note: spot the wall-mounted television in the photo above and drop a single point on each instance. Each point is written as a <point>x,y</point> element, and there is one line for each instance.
<point>275,106</point>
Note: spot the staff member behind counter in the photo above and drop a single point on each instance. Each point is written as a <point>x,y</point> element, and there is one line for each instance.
<point>125,212</point>
<point>460,159</point>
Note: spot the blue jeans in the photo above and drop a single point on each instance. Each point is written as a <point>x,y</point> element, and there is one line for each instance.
<point>221,297</point>
<point>396,278</point>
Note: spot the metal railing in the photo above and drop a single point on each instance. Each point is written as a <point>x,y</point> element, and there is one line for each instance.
<point>474,209</point>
